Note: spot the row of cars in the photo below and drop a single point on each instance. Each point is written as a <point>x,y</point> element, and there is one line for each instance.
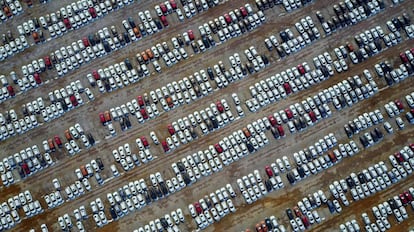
<point>252,187</point>
<point>348,14</point>
<point>290,5</point>
<point>12,126</point>
<point>305,213</point>
<point>184,129</point>
<point>169,222</point>
<point>12,45</point>
<point>9,211</point>
<point>269,224</point>
<point>10,9</point>
<point>170,96</point>
<point>27,162</point>
<point>213,207</point>
<point>71,17</point>
<point>129,160</point>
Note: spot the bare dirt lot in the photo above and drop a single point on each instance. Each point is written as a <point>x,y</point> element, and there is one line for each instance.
<point>247,215</point>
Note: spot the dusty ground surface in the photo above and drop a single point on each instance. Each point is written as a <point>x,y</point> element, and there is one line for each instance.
<point>246,216</point>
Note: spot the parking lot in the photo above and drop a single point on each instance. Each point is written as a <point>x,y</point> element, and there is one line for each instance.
<point>124,136</point>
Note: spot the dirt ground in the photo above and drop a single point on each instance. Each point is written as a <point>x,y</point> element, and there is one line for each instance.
<point>246,216</point>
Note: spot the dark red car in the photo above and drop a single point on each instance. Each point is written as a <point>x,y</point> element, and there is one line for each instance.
<point>218,148</point>
<point>297,211</point>
<point>163,8</point>
<point>272,120</point>
<point>48,63</point>
<point>289,113</point>
<point>220,107</point>
<point>280,130</point>
<point>312,116</point>
<point>144,113</point>
<point>173,4</point>
<point>85,42</point>
<point>25,168</point>
<point>11,90</point>
<point>287,88</point>
<point>67,23</point>
<point>403,199</point>
<point>399,157</point>
<point>36,76</point>
<point>73,100</point>
<point>227,18</point>
<point>301,69</point>
<point>140,101</point>
<point>305,221</point>
<point>243,11</point>
<point>408,196</point>
<point>96,75</point>
<point>399,104</point>
<point>164,20</point>
<point>403,57</point>
<point>92,11</point>
<point>165,146</point>
<point>171,129</point>
<point>269,171</point>
<point>144,141</point>
<point>102,118</point>
<point>190,34</point>
<point>58,141</point>
<point>198,208</point>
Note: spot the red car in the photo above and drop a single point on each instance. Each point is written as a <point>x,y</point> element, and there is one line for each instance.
<point>67,23</point>
<point>243,11</point>
<point>96,75</point>
<point>289,113</point>
<point>272,120</point>
<point>312,116</point>
<point>73,100</point>
<point>144,141</point>
<point>190,34</point>
<point>144,113</point>
<point>164,20</point>
<point>92,11</point>
<point>58,141</point>
<point>350,47</point>
<point>411,146</point>
<point>140,101</point>
<point>25,168</point>
<point>171,129</point>
<point>301,69</point>
<point>399,105</point>
<point>269,171</point>
<point>399,157</point>
<point>287,88</point>
<point>220,107</point>
<point>163,8</point>
<point>48,63</point>
<point>305,221</point>
<point>36,76</point>
<point>403,199</point>
<point>107,116</point>
<point>198,208</point>
<point>85,42</point>
<point>408,196</point>
<point>165,146</point>
<point>102,118</point>
<point>403,57</point>
<point>218,148</point>
<point>227,18</point>
<point>11,90</point>
<point>297,211</point>
<point>280,130</point>
<point>173,4</point>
